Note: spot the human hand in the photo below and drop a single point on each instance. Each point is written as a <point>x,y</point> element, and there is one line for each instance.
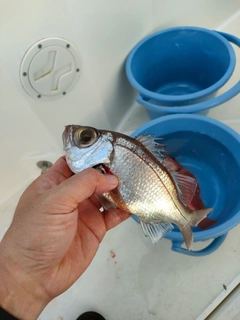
<point>54,235</point>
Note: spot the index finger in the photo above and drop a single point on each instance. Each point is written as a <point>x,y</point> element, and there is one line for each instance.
<point>60,168</point>
<point>79,187</point>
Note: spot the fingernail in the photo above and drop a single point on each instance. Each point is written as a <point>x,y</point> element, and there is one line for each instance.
<point>112,179</point>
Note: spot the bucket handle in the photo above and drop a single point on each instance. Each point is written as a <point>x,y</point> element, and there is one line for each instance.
<point>202,105</point>
<point>214,245</point>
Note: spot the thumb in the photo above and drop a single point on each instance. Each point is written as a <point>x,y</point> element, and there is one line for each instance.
<point>81,186</point>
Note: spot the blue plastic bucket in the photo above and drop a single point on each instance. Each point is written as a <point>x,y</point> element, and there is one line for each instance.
<point>180,70</point>
<point>211,151</point>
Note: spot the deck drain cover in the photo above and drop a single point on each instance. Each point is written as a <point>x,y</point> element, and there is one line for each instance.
<point>50,68</point>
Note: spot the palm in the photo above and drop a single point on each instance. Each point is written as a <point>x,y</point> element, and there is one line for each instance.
<point>80,243</point>
<point>66,235</point>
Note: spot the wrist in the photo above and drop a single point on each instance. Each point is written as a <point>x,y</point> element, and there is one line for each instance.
<point>20,295</point>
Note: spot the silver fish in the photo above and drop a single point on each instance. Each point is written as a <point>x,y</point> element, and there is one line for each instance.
<point>148,188</point>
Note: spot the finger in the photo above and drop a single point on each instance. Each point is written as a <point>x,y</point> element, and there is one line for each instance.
<point>92,218</point>
<point>96,201</point>
<point>55,175</point>
<point>100,222</point>
<point>82,186</point>
<point>114,217</point>
<point>61,168</point>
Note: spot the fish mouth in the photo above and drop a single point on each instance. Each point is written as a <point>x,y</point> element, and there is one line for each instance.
<point>101,167</point>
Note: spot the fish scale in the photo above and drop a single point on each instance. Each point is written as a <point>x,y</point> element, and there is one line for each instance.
<point>140,187</point>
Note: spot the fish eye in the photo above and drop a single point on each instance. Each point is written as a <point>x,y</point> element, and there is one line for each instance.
<point>85,137</point>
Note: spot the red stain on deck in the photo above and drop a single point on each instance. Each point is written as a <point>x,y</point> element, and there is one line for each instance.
<point>112,253</point>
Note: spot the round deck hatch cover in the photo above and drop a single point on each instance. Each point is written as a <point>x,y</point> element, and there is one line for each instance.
<point>50,68</point>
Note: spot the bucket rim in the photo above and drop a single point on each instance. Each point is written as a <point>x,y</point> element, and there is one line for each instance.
<point>185,98</point>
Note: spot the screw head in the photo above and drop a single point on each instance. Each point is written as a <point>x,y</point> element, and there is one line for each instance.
<point>39,46</point>
<point>68,46</point>
<point>44,165</point>
<point>24,74</point>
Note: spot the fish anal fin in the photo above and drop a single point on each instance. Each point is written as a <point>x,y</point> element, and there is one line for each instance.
<point>187,235</point>
<point>186,187</point>
<point>155,231</point>
<point>106,203</point>
<point>199,215</point>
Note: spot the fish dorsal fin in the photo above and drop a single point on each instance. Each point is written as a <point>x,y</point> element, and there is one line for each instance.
<point>186,187</point>
<point>152,145</point>
<point>155,231</point>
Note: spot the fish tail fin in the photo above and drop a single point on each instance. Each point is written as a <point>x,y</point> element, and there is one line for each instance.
<point>187,235</point>
<point>196,217</point>
<point>199,215</point>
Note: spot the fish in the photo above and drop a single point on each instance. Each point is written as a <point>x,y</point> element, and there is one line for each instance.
<point>149,186</point>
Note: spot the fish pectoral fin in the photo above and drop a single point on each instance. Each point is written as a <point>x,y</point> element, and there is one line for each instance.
<point>186,187</point>
<point>199,215</point>
<point>187,235</point>
<point>155,231</point>
<point>107,204</point>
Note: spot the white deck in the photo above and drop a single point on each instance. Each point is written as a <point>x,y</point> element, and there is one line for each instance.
<point>141,281</point>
